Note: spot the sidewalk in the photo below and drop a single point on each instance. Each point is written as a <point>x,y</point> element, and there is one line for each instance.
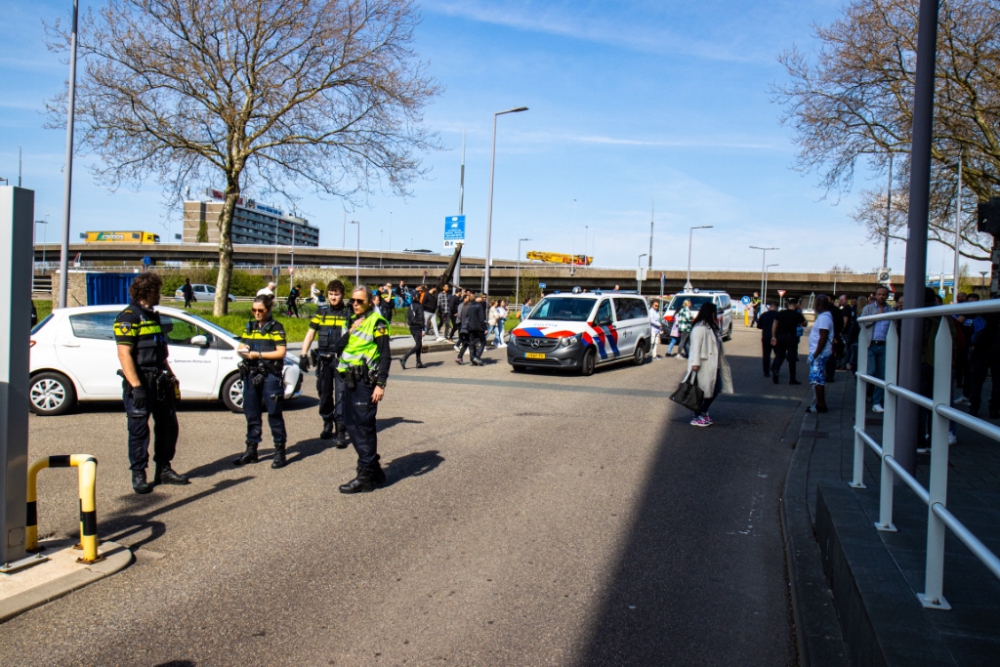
<point>400,344</point>
<point>875,575</point>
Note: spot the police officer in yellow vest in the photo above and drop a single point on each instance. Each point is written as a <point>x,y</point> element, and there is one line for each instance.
<point>327,326</point>
<point>149,388</point>
<point>263,350</point>
<point>364,368</point>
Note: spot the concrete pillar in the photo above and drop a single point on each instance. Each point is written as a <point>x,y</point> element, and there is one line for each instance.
<point>17,213</point>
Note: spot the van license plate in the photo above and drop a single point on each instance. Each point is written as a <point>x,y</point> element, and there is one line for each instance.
<point>535,355</point>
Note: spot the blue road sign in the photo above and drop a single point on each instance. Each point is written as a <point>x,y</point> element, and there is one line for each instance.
<point>541,285</point>
<point>146,261</point>
<point>454,230</point>
<point>745,301</point>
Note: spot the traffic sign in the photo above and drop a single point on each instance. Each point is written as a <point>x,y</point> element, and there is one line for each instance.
<point>541,285</point>
<point>454,230</point>
<point>884,276</point>
<point>745,301</point>
<point>781,293</point>
<point>146,261</point>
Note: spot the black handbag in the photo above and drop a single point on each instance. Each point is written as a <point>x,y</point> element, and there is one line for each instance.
<point>689,394</point>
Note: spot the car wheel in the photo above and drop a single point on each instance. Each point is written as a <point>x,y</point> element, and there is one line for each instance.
<point>232,392</point>
<point>589,363</point>
<point>639,358</point>
<point>729,333</point>
<point>51,394</point>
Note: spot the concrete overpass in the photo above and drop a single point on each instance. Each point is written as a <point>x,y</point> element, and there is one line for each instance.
<point>380,267</point>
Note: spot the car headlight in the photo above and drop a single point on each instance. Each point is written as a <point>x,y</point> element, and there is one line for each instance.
<point>572,340</point>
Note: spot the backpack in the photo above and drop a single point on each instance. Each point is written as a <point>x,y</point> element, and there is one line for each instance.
<point>413,317</point>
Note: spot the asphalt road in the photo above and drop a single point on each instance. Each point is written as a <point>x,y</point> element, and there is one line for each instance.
<point>529,519</point>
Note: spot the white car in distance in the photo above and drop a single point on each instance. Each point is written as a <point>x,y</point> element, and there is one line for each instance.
<point>201,292</point>
<point>74,359</point>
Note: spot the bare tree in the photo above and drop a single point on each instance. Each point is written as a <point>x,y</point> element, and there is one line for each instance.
<point>853,102</point>
<point>325,95</point>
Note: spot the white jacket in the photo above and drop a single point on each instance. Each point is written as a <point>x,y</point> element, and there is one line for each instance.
<point>707,353</point>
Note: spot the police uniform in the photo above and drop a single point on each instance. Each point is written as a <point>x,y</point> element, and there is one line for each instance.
<point>364,365</point>
<point>330,324</point>
<point>263,390</point>
<point>140,329</point>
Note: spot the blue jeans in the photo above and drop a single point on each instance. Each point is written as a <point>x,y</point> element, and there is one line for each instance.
<point>876,368</point>
<point>670,346</point>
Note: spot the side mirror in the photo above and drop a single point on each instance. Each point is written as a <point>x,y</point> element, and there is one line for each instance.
<point>199,340</point>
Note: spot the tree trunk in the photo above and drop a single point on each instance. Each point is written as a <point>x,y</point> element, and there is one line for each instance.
<point>221,306</point>
<point>995,268</point>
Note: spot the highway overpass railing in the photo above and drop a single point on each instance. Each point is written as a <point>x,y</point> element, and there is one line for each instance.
<point>935,495</point>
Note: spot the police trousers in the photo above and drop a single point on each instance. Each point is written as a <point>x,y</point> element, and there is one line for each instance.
<point>330,388</point>
<point>270,396</point>
<point>359,418</point>
<point>165,430</point>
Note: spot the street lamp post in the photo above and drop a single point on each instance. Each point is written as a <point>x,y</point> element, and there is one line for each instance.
<point>763,271</point>
<point>381,236</point>
<point>638,272</point>
<point>45,230</point>
<point>68,183</point>
<point>688,285</point>
<point>517,278</point>
<point>763,296</point>
<point>357,256</point>
<point>489,211</point>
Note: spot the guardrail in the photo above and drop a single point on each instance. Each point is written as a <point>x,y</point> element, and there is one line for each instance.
<point>939,404</point>
<point>88,502</point>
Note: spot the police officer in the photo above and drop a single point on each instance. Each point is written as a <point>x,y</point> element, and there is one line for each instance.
<point>263,351</point>
<point>364,368</point>
<point>148,385</point>
<point>326,327</point>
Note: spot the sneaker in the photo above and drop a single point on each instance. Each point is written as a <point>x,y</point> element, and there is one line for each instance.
<point>440,339</point>
<point>707,418</point>
<point>877,408</point>
<point>700,421</point>
<point>961,399</point>
<point>952,439</point>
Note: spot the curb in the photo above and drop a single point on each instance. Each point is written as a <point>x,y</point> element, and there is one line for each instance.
<point>818,634</point>
<point>116,558</point>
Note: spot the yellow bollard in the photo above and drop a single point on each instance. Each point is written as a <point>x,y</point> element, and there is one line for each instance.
<point>87,466</point>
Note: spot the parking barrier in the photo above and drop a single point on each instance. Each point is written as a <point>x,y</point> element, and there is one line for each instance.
<point>87,466</point>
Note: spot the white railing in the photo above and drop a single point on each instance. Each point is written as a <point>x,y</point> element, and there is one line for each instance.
<point>935,497</point>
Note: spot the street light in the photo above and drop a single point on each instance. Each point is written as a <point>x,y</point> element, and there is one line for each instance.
<point>357,257</point>
<point>638,272</point>
<point>381,237</point>
<point>68,182</point>
<point>44,234</point>
<point>489,212</point>
<point>763,270</point>
<point>517,279</point>
<point>688,284</point>
<point>763,297</point>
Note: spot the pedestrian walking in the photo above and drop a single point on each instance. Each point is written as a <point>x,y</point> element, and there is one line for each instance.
<point>314,294</point>
<point>785,339</point>
<point>385,302</point>
<point>707,362</point>
<point>326,327</point>
<point>149,386</point>
<point>430,304</point>
<point>820,350</point>
<point>502,322</point>
<point>493,318</point>
<point>291,303</point>
<point>267,290</point>
<point>684,318</point>
<point>853,335</point>
<point>454,301</point>
<point>876,348</point>
<point>766,325</point>
<point>188,292</point>
<point>444,312</point>
<point>656,324</point>
<point>364,367</point>
<point>473,330</point>
<point>463,333</point>
<point>262,347</point>
<point>416,322</point>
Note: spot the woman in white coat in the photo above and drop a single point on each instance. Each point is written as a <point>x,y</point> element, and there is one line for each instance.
<point>707,360</point>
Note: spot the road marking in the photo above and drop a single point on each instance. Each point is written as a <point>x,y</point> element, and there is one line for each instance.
<point>642,393</point>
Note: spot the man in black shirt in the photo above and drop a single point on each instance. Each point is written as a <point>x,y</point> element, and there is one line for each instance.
<point>785,339</point>
<point>764,323</point>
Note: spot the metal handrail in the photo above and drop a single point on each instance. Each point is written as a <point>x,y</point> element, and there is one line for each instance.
<point>939,519</point>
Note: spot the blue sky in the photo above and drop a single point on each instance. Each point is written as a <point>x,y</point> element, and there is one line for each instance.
<point>629,101</point>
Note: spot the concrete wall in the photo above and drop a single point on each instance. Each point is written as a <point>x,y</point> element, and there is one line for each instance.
<point>76,288</point>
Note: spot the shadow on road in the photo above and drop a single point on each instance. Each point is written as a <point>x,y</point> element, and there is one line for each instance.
<point>383,424</point>
<point>700,577</point>
<point>177,663</point>
<point>411,465</point>
<point>123,523</point>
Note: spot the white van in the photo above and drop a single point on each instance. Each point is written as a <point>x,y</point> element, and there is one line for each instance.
<point>582,331</point>
<point>723,307</point>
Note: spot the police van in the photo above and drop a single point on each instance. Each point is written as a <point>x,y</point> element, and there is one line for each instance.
<point>582,331</point>
<point>723,309</point>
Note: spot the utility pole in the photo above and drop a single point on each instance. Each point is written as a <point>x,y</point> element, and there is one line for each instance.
<point>456,275</point>
<point>888,217</point>
<point>652,217</point>
<point>958,231</point>
<point>68,183</point>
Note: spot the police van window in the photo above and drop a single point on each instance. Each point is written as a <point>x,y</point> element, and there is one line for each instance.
<point>179,332</point>
<point>99,326</point>
<point>604,313</point>
<point>565,309</point>
<point>628,309</point>
<point>696,302</point>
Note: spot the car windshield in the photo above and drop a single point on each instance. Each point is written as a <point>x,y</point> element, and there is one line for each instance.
<point>696,302</point>
<point>563,309</point>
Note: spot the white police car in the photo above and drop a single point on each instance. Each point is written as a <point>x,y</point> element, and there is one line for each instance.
<point>582,331</point>
<point>74,358</point>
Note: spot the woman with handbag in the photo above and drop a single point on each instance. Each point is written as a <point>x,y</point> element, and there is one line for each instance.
<point>707,365</point>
